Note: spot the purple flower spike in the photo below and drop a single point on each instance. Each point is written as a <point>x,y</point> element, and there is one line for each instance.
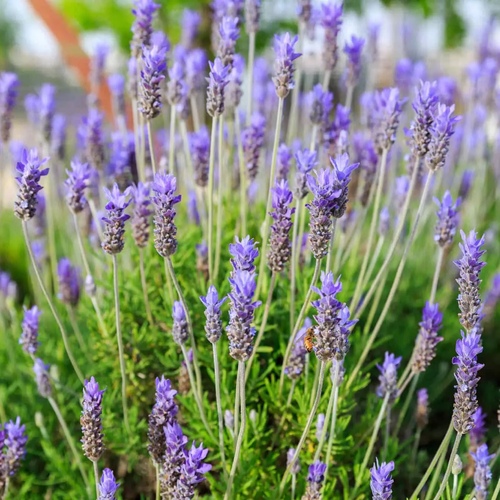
<point>199,143</point>
<point>154,65</point>
<point>173,459</point>
<point>466,375</point>
<point>443,127</point>
<point>342,170</point>
<point>28,180</point>
<point>92,435</point>
<point>296,465</point>
<point>381,480</point>
<point>42,378</point>
<point>30,325</point>
<point>176,87</point>
<point>140,217</point>
<point>482,474</point>
<point>108,485</point>
<point>491,299</point>
<point>180,326</point>
<point>114,227</point>
<point>116,84</point>
<point>422,412</point>
<point>144,11</point>
<point>78,180</point>
<point>280,247</point>
<point>164,413</point>
<point>97,64</point>
<point>233,91</point>
<point>252,141</point>
<point>465,184</point>
<point>331,20</point>
<point>217,82</point>
<point>446,225</point>
<point>243,253</point>
<point>132,85</point>
<point>196,67</point>
<point>306,161</point>
<point>164,200</point>
<point>427,338</point>
<point>297,360</point>
<point>228,35</point>
<point>389,377</point>
<point>190,24</point>
<point>353,49</point>
<point>387,109</point>
<point>284,159</point>
<point>9,84</point>
<point>284,46</point>
<point>470,265</point>
<point>192,471</point>
<point>315,479</point>
<point>15,442</point>
<point>331,334</point>
<point>8,287</point>
<point>241,314</point>
<point>160,39</point>
<point>322,105</point>
<point>91,137</point>
<point>69,282</point>
<point>47,108</point>
<point>58,143</point>
<point>252,15</point>
<point>478,431</point>
<point>213,324</point>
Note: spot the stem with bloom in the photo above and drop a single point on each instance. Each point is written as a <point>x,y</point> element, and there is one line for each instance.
<point>439,265</point>
<point>218,400</point>
<point>51,304</point>
<point>211,199</point>
<point>219,200</point>
<point>332,425</point>
<point>454,451</point>
<point>272,175</point>
<point>151,148</point>
<point>241,433</point>
<point>119,339</point>
<point>96,478</point>
<point>436,476</point>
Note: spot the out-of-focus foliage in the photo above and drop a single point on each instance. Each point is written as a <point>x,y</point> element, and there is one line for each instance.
<point>7,33</point>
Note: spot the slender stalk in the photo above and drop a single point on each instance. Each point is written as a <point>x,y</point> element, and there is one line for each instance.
<point>241,433</point>
<point>218,400</point>
<point>236,413</point>
<point>195,112</point>
<point>190,325</point>
<point>298,323</point>
<point>95,217</point>
<point>219,201</point>
<point>413,456</point>
<point>157,489</point>
<point>435,280</point>
<point>442,449</point>
<point>394,287</point>
<point>284,412</point>
<point>272,175</point>
<point>76,329</point>
<point>69,439</point>
<point>144,285</point>
<point>151,148</point>
<point>369,450</point>
<point>435,477</point>
<point>326,79</point>
<point>50,216</point>
<point>294,259</point>
<point>196,395</point>
<point>330,247</point>
<point>454,450</point>
<point>374,259</point>
<point>371,234</point>
<point>251,57</point>
<point>168,279</point>
<point>497,491</point>
<point>294,484</point>
<point>135,121</point>
<point>243,177</point>
<point>454,491</point>
<point>374,307</point>
<point>51,304</point>
<point>315,382</point>
<point>314,134</point>
<point>262,328</point>
<point>96,478</point>
<point>119,339</point>
<point>349,95</point>
<point>331,437</point>
<point>407,402</point>
<point>307,428</point>
<point>211,200</point>
<point>387,432</point>
<point>171,144</point>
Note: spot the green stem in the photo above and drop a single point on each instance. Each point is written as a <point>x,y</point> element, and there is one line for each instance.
<point>349,95</point>
<point>315,381</point>
<point>454,491</point>
<point>497,491</point>
<point>243,177</point>
<point>294,260</point>
<point>330,247</point>
<point>241,433</point>
<point>437,271</point>
<point>195,112</point>
<point>171,145</point>
<point>407,402</point>
<point>387,432</point>
<point>51,304</point>
<point>284,412</point>
<point>331,437</point>
<point>144,285</point>
<point>435,477</point>
<point>294,485</point>
<point>151,148</point>
<point>211,200</point>
<point>219,201</point>
<point>454,451</point>
<point>96,477</point>
<point>251,57</point>
<point>120,343</point>
<point>442,449</point>
<point>272,175</point>
<point>76,329</point>
<point>158,488</point>
<point>218,400</point>
<point>306,429</point>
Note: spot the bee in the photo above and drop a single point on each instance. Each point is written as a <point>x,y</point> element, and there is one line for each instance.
<point>309,339</point>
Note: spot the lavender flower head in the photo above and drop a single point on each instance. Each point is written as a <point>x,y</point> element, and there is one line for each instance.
<point>152,74</point>
<point>192,471</point>
<point>422,412</point>
<point>116,84</point>
<point>28,180</point>
<point>144,11</point>
<point>234,91</point>
<point>58,142</point>
<point>114,221</point>
<point>91,137</point>
<point>342,171</point>
<point>427,338</point>
<point>465,183</point>
<point>491,299</point>
<point>69,282</point>
<point>97,64</point>
<point>132,85</point>
<point>108,485</point>
<point>46,110</point>
<point>141,214</point>
<point>388,377</point>
<point>482,473</point>
<point>478,431</point>
<point>252,15</point>
<point>92,435</point>
<point>177,89</point>
<point>280,246</point>
<point>297,360</point>
<point>217,82</point>
<point>173,459</point>
<point>470,265</point>
<point>331,20</point>
<point>447,220</point>
<point>381,480</point>
<point>322,105</point>
<point>9,84</point>
<point>331,334</point>
<point>466,375</point>
<point>196,64</point>
<point>353,49</point>
<point>213,324</point>
<point>315,479</point>
<point>241,314</point>
<point>42,378</point>
<point>228,35</point>
<point>443,127</point>
<point>306,161</point>
<point>180,326</point>
<point>384,222</point>
<point>199,145</point>
<point>387,109</point>
<point>252,141</point>
<point>190,24</point>
<point>243,253</point>
<point>164,412</point>
<point>8,288</point>
<point>283,160</point>
<point>15,442</point>
<point>320,425</point>
<point>296,465</point>
<point>30,326</point>
<point>284,46</point>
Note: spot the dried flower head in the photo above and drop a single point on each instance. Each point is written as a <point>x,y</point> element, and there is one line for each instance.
<point>92,435</point>
<point>154,65</point>
<point>77,182</point>
<point>141,214</point>
<point>284,46</point>
<point>114,221</point>
<point>213,324</point>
